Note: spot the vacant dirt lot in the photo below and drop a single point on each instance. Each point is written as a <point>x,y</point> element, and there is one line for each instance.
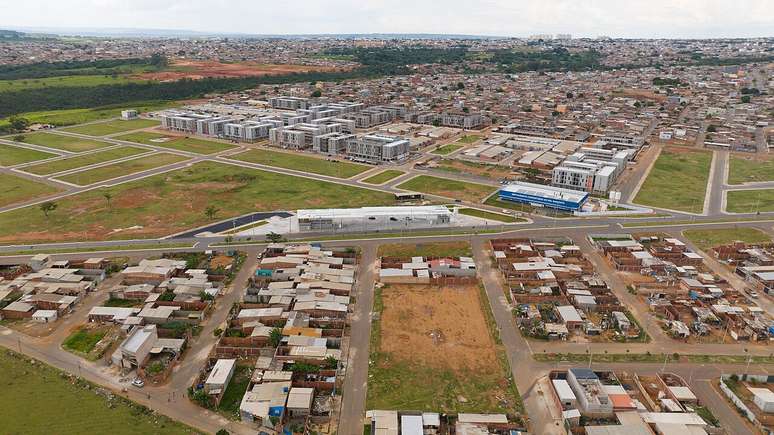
<point>194,69</point>
<point>422,324</point>
<point>432,350</point>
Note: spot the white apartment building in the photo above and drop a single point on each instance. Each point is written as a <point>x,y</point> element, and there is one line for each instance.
<point>331,143</point>
<point>374,148</point>
<point>289,103</point>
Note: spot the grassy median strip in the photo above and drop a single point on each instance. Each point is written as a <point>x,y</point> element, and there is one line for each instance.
<point>707,239</point>
<point>483,214</point>
<point>12,156</point>
<point>68,405</point>
<point>472,192</point>
<point>383,177</point>
<point>749,170</point>
<point>112,127</point>
<point>83,160</point>
<point>62,142</point>
<point>300,162</point>
<point>91,176</point>
<point>750,201</point>
<point>140,247</point>
<point>15,189</point>
<point>663,223</point>
<point>180,143</point>
<point>649,358</point>
<point>678,181</point>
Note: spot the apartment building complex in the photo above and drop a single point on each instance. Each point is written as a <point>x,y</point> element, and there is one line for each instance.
<point>374,148</point>
<point>592,170</point>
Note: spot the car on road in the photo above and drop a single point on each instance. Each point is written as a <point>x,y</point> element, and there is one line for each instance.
<point>753,294</point>
<point>139,383</point>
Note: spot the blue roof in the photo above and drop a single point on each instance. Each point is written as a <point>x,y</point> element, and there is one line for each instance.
<point>581,373</point>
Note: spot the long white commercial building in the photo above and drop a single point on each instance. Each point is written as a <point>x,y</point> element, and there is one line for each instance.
<point>374,217</point>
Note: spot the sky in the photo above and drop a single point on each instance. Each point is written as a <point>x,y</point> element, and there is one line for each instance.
<point>581,18</point>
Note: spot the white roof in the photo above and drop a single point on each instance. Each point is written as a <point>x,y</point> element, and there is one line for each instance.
<point>300,398</point>
<point>563,390</point>
<point>411,425</point>
<point>331,213</point>
<point>545,191</point>
<point>686,418</point>
<point>221,371</point>
<point>682,393</point>
<point>762,393</point>
<point>569,314</point>
<point>482,418</point>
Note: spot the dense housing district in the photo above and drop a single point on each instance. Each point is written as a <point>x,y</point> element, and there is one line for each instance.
<point>387,236</point>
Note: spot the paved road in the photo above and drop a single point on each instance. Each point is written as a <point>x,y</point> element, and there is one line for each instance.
<point>730,420</point>
<point>356,380</point>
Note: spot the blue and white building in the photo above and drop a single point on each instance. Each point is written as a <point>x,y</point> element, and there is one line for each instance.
<point>544,196</point>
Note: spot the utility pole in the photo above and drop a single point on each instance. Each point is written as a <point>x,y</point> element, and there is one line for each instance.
<point>666,356</point>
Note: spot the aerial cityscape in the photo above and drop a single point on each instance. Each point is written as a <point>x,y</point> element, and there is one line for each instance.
<point>387,218</point>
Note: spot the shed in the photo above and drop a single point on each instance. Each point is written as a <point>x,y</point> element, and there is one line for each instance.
<point>220,376</point>
<point>300,401</point>
<point>411,425</point>
<point>763,399</point>
<point>45,316</point>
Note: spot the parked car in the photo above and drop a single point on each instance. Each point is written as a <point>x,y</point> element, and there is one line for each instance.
<point>139,383</point>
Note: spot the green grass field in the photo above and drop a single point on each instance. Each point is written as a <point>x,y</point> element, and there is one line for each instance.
<point>112,127</point>
<point>468,139</point>
<point>164,204</point>
<point>462,190</point>
<point>62,142</point>
<point>706,239</point>
<point>180,143</point>
<point>743,170</point>
<point>235,391</point>
<point>69,407</point>
<point>82,341</point>
<point>678,181</point>
<point>85,160</point>
<point>750,201</point>
<point>447,149</point>
<point>489,215</point>
<point>120,169</point>
<point>383,177</point>
<point>61,82</point>
<point>11,155</point>
<point>429,249</point>
<point>300,162</point>
<point>15,189</point>
<point>66,117</point>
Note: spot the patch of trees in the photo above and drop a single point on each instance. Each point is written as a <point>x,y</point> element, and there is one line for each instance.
<point>661,81</point>
<point>558,59</point>
<point>55,98</point>
<point>78,67</point>
<point>393,61</point>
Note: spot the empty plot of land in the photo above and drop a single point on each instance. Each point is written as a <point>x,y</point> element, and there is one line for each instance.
<point>483,214</point>
<point>468,139</point>
<point>84,160</point>
<point>120,169</point>
<point>299,162</point>
<point>706,239</point>
<point>750,201</point>
<point>16,189</point>
<point>750,170</point>
<point>11,155</point>
<point>465,191</point>
<point>447,149</point>
<point>174,201</point>
<point>383,177</point>
<point>678,180</point>
<point>67,407</point>
<point>62,142</point>
<point>180,143</point>
<point>425,358</point>
<point>480,169</point>
<point>112,127</point>
<point>429,249</point>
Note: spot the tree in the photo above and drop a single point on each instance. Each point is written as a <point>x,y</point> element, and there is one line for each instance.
<point>331,362</point>
<point>316,94</point>
<point>108,196</point>
<point>211,211</point>
<point>222,432</point>
<point>47,207</point>
<point>229,239</point>
<point>460,85</point>
<point>275,336</point>
<point>19,138</point>
<point>274,237</point>
<point>745,99</point>
<point>18,124</point>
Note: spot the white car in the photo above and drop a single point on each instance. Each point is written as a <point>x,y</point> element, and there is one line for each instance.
<point>138,383</point>
<point>753,294</point>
